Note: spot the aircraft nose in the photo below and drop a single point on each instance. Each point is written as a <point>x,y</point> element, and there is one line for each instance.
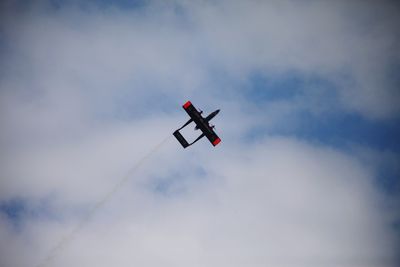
<point>217,111</point>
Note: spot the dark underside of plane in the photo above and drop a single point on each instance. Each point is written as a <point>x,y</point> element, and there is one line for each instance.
<point>201,123</point>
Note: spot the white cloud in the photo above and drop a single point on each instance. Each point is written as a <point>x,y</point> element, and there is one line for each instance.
<point>353,44</point>
<point>76,113</point>
<point>279,203</point>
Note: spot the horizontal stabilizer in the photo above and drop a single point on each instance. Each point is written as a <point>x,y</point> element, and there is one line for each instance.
<point>181,139</point>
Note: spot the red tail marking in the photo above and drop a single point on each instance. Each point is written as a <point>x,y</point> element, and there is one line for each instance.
<point>187,104</point>
<point>216,141</point>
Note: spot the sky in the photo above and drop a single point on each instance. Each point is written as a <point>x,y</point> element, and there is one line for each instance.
<point>308,170</point>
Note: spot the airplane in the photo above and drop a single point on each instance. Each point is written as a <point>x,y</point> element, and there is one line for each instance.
<point>201,123</point>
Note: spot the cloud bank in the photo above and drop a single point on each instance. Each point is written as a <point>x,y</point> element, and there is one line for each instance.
<point>87,89</point>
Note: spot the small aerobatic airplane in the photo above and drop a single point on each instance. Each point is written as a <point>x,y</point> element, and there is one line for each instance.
<point>201,123</point>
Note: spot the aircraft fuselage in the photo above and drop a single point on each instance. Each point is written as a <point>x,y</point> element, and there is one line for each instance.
<point>209,117</point>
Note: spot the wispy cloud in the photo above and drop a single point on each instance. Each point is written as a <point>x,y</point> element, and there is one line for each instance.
<point>87,89</point>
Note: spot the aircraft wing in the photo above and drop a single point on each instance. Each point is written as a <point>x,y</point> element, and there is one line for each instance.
<point>201,123</point>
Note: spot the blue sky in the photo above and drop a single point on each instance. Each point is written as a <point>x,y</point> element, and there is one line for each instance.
<point>309,122</point>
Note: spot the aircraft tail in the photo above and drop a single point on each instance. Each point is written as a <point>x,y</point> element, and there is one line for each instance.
<point>181,139</point>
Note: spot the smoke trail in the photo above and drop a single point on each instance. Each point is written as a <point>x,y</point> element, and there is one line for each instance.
<point>68,238</point>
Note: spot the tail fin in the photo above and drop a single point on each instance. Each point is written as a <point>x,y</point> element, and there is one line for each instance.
<point>181,139</point>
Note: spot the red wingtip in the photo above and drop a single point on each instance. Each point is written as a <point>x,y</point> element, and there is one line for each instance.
<point>216,141</point>
<point>187,104</point>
